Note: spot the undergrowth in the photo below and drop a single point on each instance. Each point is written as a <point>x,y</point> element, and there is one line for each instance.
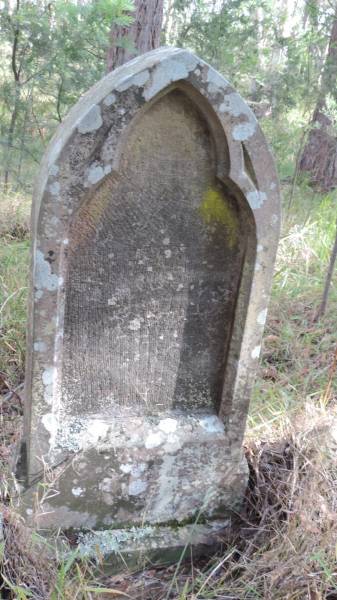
<point>285,546</point>
<point>297,351</point>
<point>14,252</point>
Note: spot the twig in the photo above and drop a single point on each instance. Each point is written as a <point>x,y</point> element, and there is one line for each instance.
<point>14,392</point>
<point>10,297</point>
<point>213,572</point>
<point>328,279</point>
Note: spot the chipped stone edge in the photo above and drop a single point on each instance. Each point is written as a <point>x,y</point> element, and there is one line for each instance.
<point>114,550</point>
<point>172,64</point>
<point>137,545</point>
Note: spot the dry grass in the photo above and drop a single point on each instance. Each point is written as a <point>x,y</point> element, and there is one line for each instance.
<point>285,548</point>
<point>15,217</point>
<point>293,502</point>
<point>14,252</point>
<point>27,570</point>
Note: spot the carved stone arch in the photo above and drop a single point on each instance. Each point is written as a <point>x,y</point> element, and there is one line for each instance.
<point>213,217</point>
<point>193,386</point>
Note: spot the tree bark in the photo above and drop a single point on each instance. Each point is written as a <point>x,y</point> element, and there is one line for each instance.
<point>319,157</point>
<point>143,35</point>
<point>16,70</point>
<point>10,136</point>
<point>328,279</point>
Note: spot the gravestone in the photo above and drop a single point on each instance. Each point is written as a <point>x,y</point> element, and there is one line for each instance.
<point>155,227</point>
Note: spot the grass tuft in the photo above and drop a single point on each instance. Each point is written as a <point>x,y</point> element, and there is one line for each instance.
<point>15,217</point>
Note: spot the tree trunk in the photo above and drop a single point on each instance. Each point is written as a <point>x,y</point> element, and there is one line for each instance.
<point>28,102</point>
<point>10,136</point>
<point>16,70</point>
<point>143,35</point>
<point>328,279</point>
<point>319,157</point>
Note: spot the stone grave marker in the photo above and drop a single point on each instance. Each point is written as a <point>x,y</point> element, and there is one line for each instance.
<point>155,227</point>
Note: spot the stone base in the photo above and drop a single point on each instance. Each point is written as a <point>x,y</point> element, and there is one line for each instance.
<point>140,546</point>
<point>150,489</point>
<point>144,470</point>
<point>117,550</point>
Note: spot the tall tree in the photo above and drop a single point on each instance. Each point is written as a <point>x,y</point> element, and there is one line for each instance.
<point>17,31</point>
<point>46,46</point>
<point>143,34</point>
<point>319,157</point>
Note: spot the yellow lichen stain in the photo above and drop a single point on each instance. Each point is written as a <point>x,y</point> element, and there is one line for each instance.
<point>214,209</point>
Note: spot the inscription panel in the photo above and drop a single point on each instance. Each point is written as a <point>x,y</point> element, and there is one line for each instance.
<point>154,266</point>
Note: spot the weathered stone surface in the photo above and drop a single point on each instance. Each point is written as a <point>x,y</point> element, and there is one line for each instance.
<point>136,547</point>
<point>154,255</point>
<point>143,470</point>
<point>155,226</point>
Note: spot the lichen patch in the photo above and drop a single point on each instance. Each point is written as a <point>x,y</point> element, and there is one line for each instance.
<point>44,278</point>
<point>91,121</point>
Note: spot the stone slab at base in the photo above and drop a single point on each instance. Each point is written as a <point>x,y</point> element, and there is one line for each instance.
<point>159,470</point>
<point>137,547</point>
<point>199,494</point>
<point>117,550</point>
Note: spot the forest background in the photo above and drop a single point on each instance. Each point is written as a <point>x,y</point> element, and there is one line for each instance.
<point>282,56</point>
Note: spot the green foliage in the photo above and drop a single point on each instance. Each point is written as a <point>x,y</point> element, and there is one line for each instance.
<point>52,53</point>
<point>297,351</point>
<point>273,52</point>
<point>14,260</point>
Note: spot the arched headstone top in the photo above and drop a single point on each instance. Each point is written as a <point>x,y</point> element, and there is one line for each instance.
<point>251,165</point>
<point>155,227</point>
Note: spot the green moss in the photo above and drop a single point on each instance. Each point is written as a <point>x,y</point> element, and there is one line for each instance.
<point>215,209</point>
